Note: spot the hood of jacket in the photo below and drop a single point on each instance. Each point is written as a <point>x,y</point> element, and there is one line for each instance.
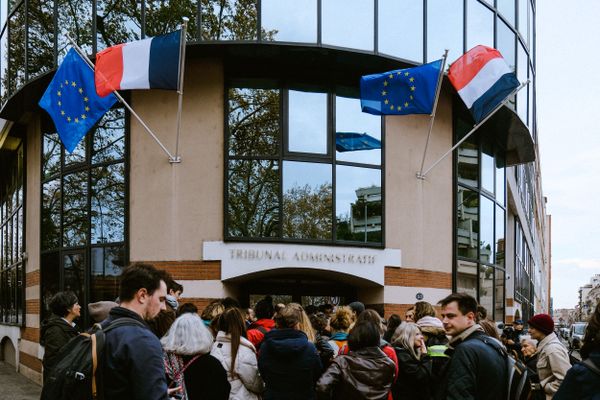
<point>339,336</point>
<point>55,320</point>
<point>286,342</point>
<point>172,301</point>
<point>266,323</point>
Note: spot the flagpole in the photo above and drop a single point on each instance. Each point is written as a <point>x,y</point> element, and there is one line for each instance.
<point>182,45</point>
<point>121,99</point>
<point>432,116</point>
<point>476,127</point>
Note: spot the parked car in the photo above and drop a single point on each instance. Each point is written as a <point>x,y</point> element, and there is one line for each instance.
<point>576,334</point>
<point>564,332</point>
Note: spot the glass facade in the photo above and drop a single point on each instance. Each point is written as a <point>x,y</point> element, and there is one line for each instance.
<point>416,31</point>
<point>290,178</point>
<point>12,232</point>
<point>480,220</point>
<point>84,211</point>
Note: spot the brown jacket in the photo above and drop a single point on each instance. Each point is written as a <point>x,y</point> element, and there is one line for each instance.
<point>364,374</point>
<point>552,365</point>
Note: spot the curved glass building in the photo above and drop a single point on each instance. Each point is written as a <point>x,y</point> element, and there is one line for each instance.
<point>266,199</point>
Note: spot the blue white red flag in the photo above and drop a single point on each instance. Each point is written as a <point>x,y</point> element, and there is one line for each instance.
<point>144,64</point>
<point>483,80</point>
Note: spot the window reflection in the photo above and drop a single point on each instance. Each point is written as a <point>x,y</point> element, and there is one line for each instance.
<point>500,179</point>
<point>74,275</point>
<point>50,280</point>
<point>106,266</point>
<point>167,15</point>
<point>522,76</point>
<point>466,277</point>
<point>486,230</point>
<point>289,20</point>
<point>307,200</point>
<point>530,121</point>
<point>401,29</point>
<point>78,155</point>
<point>349,118</point>
<point>358,205</point>
<point>51,155</point>
<point>253,204</point>
<point>75,20</point>
<point>108,204</point>
<point>486,288</point>
<point>500,233</point>
<point>40,37</point>
<point>506,44</point>
<point>253,122</point>
<point>50,228</point>
<point>507,9</point>
<point>109,137</point>
<point>75,216</point>
<point>117,21</point>
<point>488,169</point>
<point>16,54</point>
<point>468,163</point>
<point>3,67</point>
<point>444,28</point>
<point>499,309</point>
<point>480,25</point>
<point>348,23</point>
<point>307,122</point>
<point>467,202</point>
<point>229,19</point>
<point>523,19</point>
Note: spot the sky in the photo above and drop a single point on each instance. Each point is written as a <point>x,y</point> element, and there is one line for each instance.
<point>568,81</point>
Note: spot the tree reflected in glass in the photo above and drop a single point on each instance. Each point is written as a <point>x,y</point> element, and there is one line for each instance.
<point>229,19</point>
<point>117,21</point>
<point>40,37</point>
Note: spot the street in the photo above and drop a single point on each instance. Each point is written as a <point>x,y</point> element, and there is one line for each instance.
<point>15,386</point>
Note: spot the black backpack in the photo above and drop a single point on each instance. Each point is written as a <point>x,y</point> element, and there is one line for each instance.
<point>74,375</point>
<point>517,376</point>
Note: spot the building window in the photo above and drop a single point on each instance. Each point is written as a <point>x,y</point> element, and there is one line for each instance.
<point>84,211</point>
<point>302,166</point>
<point>12,229</point>
<point>480,219</point>
<point>524,270</point>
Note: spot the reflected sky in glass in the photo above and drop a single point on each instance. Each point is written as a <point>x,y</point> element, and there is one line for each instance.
<point>401,28</point>
<point>506,44</point>
<point>487,172</point>
<point>480,25</point>
<point>500,177</point>
<point>507,9</point>
<point>290,20</point>
<point>350,118</point>
<point>444,28</point>
<point>486,239</point>
<point>522,76</point>
<point>307,122</point>
<point>348,23</point>
<point>523,18</point>
<point>347,181</point>
<point>305,173</point>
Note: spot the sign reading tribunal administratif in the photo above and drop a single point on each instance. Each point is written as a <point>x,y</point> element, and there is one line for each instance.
<point>239,259</point>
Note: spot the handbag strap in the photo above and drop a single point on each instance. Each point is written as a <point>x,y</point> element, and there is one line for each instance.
<point>179,373</point>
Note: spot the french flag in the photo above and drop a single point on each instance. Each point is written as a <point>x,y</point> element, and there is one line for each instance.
<point>151,63</point>
<point>483,80</point>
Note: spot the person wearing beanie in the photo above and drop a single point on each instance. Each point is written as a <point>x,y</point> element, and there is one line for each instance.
<point>553,359</point>
<point>100,309</point>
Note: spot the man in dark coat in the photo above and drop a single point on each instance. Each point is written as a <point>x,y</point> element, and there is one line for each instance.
<point>477,370</point>
<point>132,367</point>
<point>287,361</point>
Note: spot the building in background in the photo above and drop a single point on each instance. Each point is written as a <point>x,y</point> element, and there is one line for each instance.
<point>262,202</point>
<point>589,297</point>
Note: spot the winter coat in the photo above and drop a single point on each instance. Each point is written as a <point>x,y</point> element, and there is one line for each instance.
<point>56,332</point>
<point>132,366</point>
<point>553,364</point>
<point>364,374</point>
<point>437,344</point>
<point>531,364</point>
<point>414,378</point>
<point>581,383</point>
<point>162,322</point>
<point>324,349</point>
<point>258,329</point>
<point>476,370</point>
<point>206,378</point>
<point>337,341</point>
<point>289,365</point>
<point>246,382</point>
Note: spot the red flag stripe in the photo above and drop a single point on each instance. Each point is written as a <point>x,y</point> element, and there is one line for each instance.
<point>109,70</point>
<point>463,70</point>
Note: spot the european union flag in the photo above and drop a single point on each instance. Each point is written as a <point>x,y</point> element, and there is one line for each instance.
<point>354,141</point>
<point>72,102</point>
<point>400,92</point>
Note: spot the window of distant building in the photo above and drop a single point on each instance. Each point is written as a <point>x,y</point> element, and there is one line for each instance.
<point>302,165</point>
<point>84,211</point>
<point>480,219</point>
<point>12,229</point>
<point>524,273</point>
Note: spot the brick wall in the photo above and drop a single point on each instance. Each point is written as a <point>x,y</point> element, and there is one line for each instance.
<point>32,278</point>
<point>190,270</point>
<point>30,361</point>
<point>413,277</point>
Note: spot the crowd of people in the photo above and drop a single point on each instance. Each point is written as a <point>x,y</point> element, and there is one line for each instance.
<point>277,351</point>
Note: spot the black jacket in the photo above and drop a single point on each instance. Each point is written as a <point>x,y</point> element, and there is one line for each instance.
<point>581,383</point>
<point>414,377</point>
<point>132,364</point>
<point>531,364</point>
<point>476,370</point>
<point>55,333</point>
<point>289,365</point>
<point>206,378</point>
<point>324,350</point>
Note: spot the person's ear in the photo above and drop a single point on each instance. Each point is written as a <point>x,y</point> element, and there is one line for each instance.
<point>471,316</point>
<point>142,295</point>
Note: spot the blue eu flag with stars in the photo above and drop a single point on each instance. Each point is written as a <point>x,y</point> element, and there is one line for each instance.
<point>72,102</point>
<point>400,92</point>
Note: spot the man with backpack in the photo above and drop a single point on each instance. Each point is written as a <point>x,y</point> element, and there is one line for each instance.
<point>477,368</point>
<point>132,361</point>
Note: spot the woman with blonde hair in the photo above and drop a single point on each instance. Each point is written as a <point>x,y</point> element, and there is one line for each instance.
<point>414,376</point>
<point>340,324</point>
<point>188,363</point>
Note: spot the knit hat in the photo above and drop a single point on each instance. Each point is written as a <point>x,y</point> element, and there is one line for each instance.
<point>428,321</point>
<point>543,323</point>
<point>99,310</point>
<point>357,307</point>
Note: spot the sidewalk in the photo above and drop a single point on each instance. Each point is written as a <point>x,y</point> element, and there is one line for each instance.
<point>15,386</point>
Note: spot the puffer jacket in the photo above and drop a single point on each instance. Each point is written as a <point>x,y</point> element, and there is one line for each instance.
<point>246,382</point>
<point>552,365</point>
<point>415,381</point>
<point>581,383</point>
<point>364,374</point>
<point>55,333</point>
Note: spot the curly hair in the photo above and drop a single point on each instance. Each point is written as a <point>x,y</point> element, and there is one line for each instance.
<point>591,339</point>
<point>342,319</point>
